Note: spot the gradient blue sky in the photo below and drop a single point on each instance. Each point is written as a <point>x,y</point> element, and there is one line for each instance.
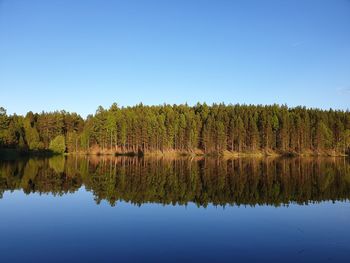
<point>76,55</point>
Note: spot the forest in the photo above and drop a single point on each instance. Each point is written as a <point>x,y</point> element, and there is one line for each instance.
<point>200,129</point>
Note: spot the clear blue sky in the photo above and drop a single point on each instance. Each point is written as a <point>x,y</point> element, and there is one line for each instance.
<point>76,55</point>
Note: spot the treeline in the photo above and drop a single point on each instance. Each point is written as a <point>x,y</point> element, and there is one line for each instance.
<point>181,181</point>
<point>181,128</point>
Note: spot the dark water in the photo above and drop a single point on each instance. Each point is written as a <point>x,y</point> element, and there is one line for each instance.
<point>159,210</point>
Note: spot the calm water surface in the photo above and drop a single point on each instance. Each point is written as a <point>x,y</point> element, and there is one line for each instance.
<point>184,210</point>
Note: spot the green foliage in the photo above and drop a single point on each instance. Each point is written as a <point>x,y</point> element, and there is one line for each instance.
<point>323,138</point>
<point>32,136</point>
<point>4,122</point>
<point>345,140</point>
<point>58,145</point>
<point>211,129</point>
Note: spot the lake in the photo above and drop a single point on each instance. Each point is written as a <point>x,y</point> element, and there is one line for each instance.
<point>123,209</point>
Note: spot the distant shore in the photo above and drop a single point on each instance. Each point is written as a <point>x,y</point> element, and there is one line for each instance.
<point>223,154</point>
<point>226,154</point>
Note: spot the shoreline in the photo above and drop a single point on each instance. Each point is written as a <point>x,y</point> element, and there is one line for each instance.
<point>15,153</point>
<point>224,154</point>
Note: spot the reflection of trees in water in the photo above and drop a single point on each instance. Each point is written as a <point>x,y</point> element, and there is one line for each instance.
<point>179,181</point>
<point>38,176</point>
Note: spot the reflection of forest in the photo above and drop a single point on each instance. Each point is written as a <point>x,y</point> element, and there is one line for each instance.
<point>179,181</point>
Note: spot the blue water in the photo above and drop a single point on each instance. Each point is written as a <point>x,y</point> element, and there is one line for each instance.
<point>73,228</point>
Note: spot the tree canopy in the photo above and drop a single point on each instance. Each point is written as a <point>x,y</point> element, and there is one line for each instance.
<point>183,128</point>
<point>58,145</point>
